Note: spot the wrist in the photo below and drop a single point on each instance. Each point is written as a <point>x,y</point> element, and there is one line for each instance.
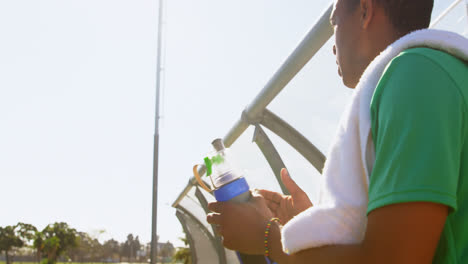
<point>275,246</point>
<point>267,237</point>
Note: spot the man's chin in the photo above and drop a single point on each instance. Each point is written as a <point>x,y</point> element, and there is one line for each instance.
<point>349,83</point>
<point>345,82</point>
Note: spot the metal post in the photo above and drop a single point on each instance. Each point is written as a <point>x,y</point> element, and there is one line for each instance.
<point>154,218</point>
<point>271,155</point>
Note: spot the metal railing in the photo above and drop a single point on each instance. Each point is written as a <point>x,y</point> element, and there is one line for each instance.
<point>256,112</point>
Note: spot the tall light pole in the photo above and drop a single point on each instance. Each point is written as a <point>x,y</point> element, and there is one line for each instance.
<point>154,218</point>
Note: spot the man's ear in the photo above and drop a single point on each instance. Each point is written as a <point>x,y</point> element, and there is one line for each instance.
<point>366,12</point>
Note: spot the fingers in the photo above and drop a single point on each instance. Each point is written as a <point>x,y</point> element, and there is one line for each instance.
<point>213,218</point>
<point>269,195</point>
<point>216,207</point>
<point>256,197</point>
<point>290,184</point>
<point>272,205</point>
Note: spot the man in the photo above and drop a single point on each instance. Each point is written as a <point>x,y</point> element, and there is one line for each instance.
<point>418,189</point>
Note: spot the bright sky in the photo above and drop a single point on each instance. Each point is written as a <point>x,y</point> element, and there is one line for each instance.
<point>77,101</point>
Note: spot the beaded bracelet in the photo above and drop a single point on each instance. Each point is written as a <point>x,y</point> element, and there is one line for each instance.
<point>267,231</point>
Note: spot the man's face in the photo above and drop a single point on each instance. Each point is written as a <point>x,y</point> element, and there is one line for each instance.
<point>347,48</point>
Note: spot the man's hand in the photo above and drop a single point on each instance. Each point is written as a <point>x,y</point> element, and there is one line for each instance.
<point>242,225</point>
<point>286,207</point>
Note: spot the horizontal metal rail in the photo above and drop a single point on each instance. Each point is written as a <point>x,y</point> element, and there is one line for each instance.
<point>445,13</point>
<point>307,48</point>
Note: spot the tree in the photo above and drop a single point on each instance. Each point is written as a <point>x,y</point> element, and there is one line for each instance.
<point>88,249</point>
<point>136,246</point>
<point>126,247</point>
<point>38,244</point>
<point>130,247</point>
<point>15,237</point>
<point>183,253</point>
<point>26,232</point>
<point>51,247</point>
<point>8,240</point>
<point>167,250</point>
<point>111,249</point>
<point>56,239</point>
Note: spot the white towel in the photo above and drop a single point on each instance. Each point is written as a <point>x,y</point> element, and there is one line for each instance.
<point>340,216</point>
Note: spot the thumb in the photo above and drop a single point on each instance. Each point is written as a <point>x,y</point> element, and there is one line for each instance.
<point>290,184</point>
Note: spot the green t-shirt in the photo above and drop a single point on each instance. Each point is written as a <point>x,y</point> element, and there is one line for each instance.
<point>419,117</point>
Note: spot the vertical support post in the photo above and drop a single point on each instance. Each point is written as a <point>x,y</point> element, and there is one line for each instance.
<point>154,217</point>
<point>271,154</point>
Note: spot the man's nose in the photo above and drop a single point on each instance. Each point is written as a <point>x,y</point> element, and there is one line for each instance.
<point>334,49</point>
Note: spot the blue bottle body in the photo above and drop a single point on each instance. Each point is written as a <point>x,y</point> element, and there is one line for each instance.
<point>237,190</point>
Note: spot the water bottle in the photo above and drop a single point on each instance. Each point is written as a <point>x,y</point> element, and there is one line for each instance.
<point>227,181</point>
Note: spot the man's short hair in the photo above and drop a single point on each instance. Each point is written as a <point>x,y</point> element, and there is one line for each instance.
<point>405,15</point>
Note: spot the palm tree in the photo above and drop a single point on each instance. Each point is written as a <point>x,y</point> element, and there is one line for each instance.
<point>38,244</point>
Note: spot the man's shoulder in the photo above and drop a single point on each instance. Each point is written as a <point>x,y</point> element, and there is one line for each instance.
<point>419,69</point>
<point>435,55</point>
<point>422,57</point>
<point>422,78</point>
